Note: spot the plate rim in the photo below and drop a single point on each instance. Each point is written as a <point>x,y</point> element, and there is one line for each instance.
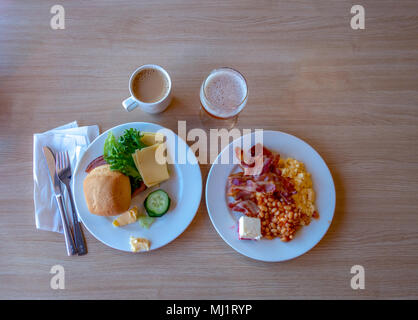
<point>138,123</point>
<point>220,233</point>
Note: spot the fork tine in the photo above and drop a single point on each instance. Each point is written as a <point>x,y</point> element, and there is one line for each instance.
<point>68,160</point>
<point>65,156</point>
<point>64,166</point>
<point>59,161</point>
<point>62,161</point>
<point>60,164</point>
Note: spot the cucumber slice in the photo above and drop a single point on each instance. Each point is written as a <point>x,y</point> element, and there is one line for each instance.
<point>157,203</point>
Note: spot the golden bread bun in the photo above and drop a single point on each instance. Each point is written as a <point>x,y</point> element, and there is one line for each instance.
<point>107,192</point>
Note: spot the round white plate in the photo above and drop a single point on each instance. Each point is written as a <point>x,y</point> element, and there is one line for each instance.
<point>184,188</point>
<point>225,221</point>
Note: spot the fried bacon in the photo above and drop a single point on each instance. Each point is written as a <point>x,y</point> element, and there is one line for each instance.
<point>138,190</point>
<point>242,187</point>
<point>248,207</point>
<point>99,161</point>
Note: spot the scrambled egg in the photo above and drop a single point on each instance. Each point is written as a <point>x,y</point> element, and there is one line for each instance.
<point>305,196</point>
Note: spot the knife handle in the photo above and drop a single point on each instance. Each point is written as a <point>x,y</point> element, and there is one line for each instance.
<point>78,234</point>
<point>69,241</point>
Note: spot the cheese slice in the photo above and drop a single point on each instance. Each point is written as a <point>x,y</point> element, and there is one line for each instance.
<point>128,217</point>
<point>135,160</point>
<point>151,138</point>
<point>151,171</point>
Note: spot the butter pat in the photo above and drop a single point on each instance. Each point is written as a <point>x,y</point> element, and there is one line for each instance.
<point>139,244</point>
<point>249,228</point>
<point>151,171</point>
<point>128,217</point>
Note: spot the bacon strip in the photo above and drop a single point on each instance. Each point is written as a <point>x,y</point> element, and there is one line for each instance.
<point>247,207</point>
<point>243,186</point>
<point>138,190</point>
<point>99,161</point>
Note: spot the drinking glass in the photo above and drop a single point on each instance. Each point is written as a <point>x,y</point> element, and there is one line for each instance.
<point>223,95</point>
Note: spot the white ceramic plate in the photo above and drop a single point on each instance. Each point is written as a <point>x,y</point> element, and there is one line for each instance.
<point>184,188</point>
<point>225,221</point>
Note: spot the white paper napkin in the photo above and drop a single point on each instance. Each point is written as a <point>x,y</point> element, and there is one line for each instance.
<point>71,138</point>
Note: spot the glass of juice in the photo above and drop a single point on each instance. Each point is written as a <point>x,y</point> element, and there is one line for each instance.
<point>223,95</point>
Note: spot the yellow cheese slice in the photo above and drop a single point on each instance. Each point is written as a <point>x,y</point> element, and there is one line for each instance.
<point>128,217</point>
<point>151,171</point>
<point>151,138</point>
<point>135,160</point>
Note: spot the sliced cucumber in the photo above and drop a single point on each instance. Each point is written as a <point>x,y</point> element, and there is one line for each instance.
<point>157,203</point>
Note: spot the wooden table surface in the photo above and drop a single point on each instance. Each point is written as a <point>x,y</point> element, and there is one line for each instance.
<point>351,94</point>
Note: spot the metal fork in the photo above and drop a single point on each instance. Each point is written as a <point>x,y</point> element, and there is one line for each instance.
<point>63,168</point>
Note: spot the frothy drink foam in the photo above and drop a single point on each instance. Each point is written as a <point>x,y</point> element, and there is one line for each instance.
<point>224,92</point>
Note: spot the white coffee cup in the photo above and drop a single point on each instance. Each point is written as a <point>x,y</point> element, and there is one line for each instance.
<point>151,107</point>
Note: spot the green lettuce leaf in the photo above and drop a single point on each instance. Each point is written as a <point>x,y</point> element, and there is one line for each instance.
<point>118,154</point>
<point>145,221</point>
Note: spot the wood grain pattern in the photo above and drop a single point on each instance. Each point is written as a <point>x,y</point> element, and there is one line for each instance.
<point>353,95</point>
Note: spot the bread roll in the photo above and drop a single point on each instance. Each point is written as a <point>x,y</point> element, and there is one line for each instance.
<point>107,192</point>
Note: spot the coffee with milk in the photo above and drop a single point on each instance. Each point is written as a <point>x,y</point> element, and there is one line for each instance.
<point>149,85</point>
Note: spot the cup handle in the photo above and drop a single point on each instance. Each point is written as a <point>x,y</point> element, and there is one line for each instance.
<point>129,104</point>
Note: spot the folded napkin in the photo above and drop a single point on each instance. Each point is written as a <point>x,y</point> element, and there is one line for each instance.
<point>71,138</point>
